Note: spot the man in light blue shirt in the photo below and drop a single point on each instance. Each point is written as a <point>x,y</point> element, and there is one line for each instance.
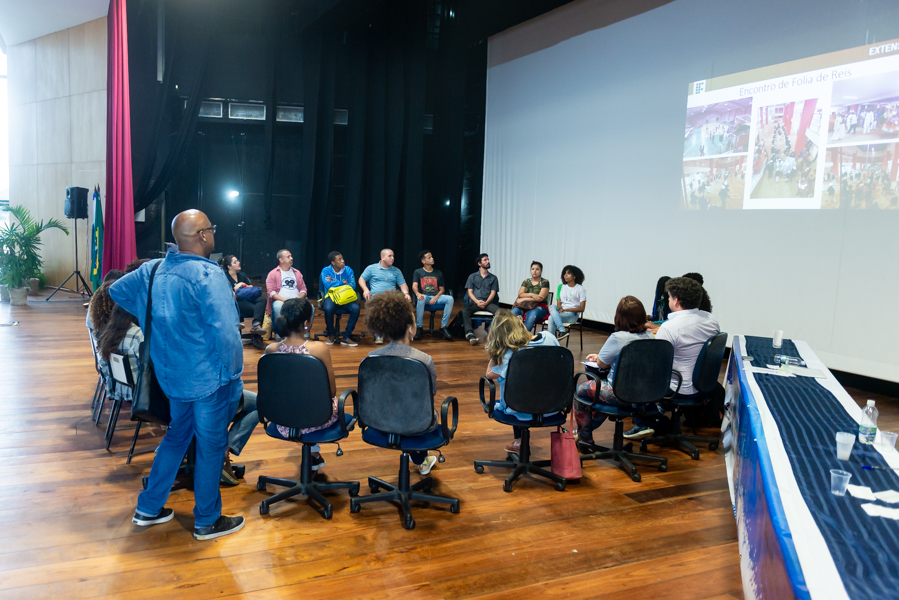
<point>383,277</point>
<point>198,360</point>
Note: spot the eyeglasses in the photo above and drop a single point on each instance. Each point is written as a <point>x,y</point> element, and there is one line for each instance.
<point>210,228</point>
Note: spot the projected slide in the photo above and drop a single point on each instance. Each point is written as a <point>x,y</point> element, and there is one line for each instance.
<point>816,133</point>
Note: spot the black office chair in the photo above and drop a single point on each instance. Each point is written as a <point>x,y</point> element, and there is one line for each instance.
<point>123,378</point>
<point>642,377</point>
<point>280,401</point>
<point>539,383</point>
<point>396,411</point>
<point>705,377</point>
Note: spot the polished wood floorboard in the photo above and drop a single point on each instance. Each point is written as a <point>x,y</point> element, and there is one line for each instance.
<point>65,516</point>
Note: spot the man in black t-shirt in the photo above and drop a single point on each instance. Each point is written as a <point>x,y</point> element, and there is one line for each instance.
<point>428,288</point>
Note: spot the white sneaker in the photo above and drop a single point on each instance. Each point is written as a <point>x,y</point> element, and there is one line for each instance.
<point>425,467</point>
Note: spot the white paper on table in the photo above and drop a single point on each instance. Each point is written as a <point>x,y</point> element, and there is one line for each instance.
<point>861,492</point>
<point>590,363</point>
<point>805,372</point>
<point>890,496</point>
<point>886,512</point>
<point>772,370</point>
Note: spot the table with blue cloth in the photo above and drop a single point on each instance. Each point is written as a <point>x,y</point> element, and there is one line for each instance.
<point>796,538</point>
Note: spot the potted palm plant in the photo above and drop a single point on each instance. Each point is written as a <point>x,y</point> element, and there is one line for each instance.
<point>19,245</point>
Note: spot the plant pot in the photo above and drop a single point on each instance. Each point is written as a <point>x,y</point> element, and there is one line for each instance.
<point>18,296</point>
<point>4,293</point>
<point>33,284</point>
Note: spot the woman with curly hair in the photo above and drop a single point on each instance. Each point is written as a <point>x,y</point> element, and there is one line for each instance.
<point>120,335</point>
<point>508,335</point>
<point>101,304</point>
<point>291,325</point>
<point>389,314</point>
<point>570,303</point>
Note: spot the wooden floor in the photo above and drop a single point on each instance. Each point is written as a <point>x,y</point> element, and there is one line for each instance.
<point>65,515</point>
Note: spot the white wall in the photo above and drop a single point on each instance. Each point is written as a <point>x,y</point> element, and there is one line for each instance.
<point>57,132</point>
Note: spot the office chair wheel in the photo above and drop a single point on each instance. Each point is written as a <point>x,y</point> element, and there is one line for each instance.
<point>144,480</point>
<point>695,455</point>
<point>260,485</point>
<point>409,523</point>
<point>560,487</point>
<point>454,508</point>
<point>426,489</point>
<point>713,446</point>
<point>663,468</point>
<point>373,488</point>
<point>635,477</point>
<point>355,507</point>
<point>507,486</point>
<point>354,491</point>
<point>328,512</point>
<point>477,469</point>
<point>239,471</point>
<point>263,509</point>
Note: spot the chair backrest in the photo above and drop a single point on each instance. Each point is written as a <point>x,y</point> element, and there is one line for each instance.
<point>395,395</point>
<point>539,380</point>
<point>708,363</point>
<point>660,307</point>
<point>643,371</point>
<point>90,334</point>
<point>120,369</point>
<point>294,390</point>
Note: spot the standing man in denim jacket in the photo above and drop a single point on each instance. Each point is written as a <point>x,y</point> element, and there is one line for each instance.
<point>198,359</point>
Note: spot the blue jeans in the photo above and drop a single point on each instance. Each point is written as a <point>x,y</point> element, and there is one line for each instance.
<point>243,424</point>
<point>444,303</point>
<point>532,316</point>
<point>558,320</point>
<point>330,309</point>
<point>276,312</point>
<point>206,419</point>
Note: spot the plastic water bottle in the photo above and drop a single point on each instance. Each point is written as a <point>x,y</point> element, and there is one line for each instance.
<point>867,429</point>
<point>783,359</point>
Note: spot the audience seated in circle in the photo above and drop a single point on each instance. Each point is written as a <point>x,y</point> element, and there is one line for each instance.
<point>292,325</point>
<point>630,325</point>
<point>390,315</point>
<point>532,294</point>
<point>335,275</point>
<point>430,290</point>
<point>570,304</point>
<point>507,335</point>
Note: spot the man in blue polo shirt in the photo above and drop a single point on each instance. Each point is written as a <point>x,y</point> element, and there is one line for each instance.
<point>382,277</point>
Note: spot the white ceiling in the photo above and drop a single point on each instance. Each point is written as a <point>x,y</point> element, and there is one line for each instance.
<point>23,20</point>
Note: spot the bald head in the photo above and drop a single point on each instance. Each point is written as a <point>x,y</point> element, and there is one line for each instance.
<point>193,233</point>
<point>387,258</point>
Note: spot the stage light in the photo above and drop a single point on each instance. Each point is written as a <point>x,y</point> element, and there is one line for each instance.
<point>233,194</point>
<point>447,202</point>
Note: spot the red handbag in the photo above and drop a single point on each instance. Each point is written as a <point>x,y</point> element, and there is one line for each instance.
<point>565,459</point>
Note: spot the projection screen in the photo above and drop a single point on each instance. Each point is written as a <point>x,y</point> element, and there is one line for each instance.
<point>755,143</point>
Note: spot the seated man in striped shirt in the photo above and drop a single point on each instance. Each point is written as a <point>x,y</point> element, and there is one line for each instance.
<point>382,277</point>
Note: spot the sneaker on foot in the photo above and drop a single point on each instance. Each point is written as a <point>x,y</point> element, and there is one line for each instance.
<point>256,328</point>
<point>638,433</point>
<point>472,339</point>
<point>514,447</point>
<point>379,339</point>
<point>318,462</point>
<point>330,340</point>
<point>223,526</point>
<point>348,341</point>
<point>164,516</point>
<point>561,334</point>
<point>425,467</point>
<point>227,477</point>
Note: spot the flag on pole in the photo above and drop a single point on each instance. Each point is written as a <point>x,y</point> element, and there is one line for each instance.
<point>97,242</point>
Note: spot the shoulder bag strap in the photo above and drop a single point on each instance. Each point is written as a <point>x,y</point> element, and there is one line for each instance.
<point>148,320</point>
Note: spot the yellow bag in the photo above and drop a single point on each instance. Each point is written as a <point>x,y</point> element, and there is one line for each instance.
<point>267,327</point>
<point>342,294</point>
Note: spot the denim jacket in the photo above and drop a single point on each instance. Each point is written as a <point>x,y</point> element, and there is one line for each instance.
<point>195,343</point>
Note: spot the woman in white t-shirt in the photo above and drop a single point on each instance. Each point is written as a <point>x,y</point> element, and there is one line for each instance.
<point>630,325</point>
<point>570,303</point>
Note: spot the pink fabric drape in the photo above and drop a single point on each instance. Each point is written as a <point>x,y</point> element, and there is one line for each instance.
<point>808,112</point>
<point>788,118</point>
<point>119,246</point>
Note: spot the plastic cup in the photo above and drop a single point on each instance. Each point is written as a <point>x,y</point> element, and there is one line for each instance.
<point>888,438</point>
<point>838,482</point>
<point>844,444</point>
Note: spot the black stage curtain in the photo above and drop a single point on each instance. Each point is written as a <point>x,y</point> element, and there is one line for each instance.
<point>378,181</point>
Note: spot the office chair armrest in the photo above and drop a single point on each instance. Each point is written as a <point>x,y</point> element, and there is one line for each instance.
<point>444,410</point>
<point>588,375</point>
<point>680,381</point>
<point>488,408</point>
<point>341,411</point>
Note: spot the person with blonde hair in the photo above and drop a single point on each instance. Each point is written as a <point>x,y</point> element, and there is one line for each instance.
<point>508,335</point>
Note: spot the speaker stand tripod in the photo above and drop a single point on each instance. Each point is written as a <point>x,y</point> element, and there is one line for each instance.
<point>79,280</point>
